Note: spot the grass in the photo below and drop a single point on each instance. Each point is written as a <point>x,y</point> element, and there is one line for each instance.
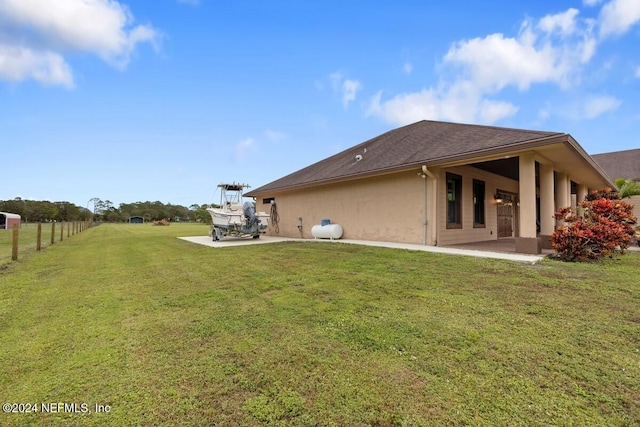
<point>27,239</point>
<point>167,332</point>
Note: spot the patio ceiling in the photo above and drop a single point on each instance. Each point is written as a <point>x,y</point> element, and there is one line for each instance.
<point>563,156</point>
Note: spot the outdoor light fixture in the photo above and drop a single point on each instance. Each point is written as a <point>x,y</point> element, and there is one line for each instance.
<point>498,198</point>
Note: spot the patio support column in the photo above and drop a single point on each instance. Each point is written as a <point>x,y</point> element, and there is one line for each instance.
<point>563,190</point>
<point>528,242</point>
<point>547,208</point>
<point>580,196</point>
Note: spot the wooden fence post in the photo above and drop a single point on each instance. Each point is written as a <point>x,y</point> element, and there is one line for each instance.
<point>68,229</point>
<point>39,241</point>
<point>61,230</point>
<point>14,248</point>
<point>53,232</point>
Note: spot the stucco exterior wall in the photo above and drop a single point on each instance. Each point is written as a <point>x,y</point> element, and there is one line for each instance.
<point>389,208</point>
<point>468,233</point>
<point>392,208</point>
<point>385,208</point>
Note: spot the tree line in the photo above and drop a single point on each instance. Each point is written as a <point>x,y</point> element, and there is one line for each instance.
<point>104,210</point>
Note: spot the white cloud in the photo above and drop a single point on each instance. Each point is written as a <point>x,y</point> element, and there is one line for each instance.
<point>44,28</point>
<point>458,104</point>
<point>336,80</point>
<point>244,148</point>
<point>617,16</point>
<point>492,111</point>
<point>20,63</point>
<point>551,51</point>
<point>190,2</point>
<point>596,106</point>
<point>544,114</point>
<point>564,23</point>
<point>273,135</point>
<point>496,61</point>
<point>591,2</point>
<point>637,74</point>
<point>407,68</point>
<point>347,88</point>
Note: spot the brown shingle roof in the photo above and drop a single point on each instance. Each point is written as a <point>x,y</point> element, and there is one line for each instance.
<point>620,164</point>
<point>424,142</point>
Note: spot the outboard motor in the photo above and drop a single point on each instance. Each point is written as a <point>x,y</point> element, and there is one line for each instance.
<point>249,213</point>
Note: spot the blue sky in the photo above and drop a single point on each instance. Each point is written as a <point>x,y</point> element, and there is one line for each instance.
<point>162,100</point>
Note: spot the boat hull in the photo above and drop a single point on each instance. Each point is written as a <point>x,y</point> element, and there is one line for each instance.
<point>223,218</point>
<point>230,222</point>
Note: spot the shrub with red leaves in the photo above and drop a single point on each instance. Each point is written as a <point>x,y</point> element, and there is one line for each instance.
<point>607,193</point>
<point>605,229</point>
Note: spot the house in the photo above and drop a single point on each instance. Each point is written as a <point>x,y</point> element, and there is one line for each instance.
<point>622,164</point>
<point>7,220</point>
<point>438,183</point>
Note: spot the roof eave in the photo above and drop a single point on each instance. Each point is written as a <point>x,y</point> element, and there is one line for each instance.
<point>589,160</point>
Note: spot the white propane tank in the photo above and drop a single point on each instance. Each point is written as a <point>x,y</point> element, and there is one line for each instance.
<point>329,231</point>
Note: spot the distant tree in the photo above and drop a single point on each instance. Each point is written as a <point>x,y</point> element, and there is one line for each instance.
<point>104,210</point>
<point>627,187</point>
<point>44,210</point>
<point>97,205</point>
<point>200,213</point>
<point>177,212</point>
<point>66,211</point>
<point>16,206</point>
<point>84,214</point>
<point>112,214</point>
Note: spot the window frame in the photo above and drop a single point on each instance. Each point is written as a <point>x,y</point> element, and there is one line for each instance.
<point>456,203</point>
<point>479,204</point>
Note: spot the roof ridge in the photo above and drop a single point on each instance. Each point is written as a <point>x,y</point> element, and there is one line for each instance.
<point>487,127</point>
<point>616,152</point>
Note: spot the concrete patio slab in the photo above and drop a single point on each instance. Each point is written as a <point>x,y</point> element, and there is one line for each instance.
<point>228,242</point>
<point>207,241</point>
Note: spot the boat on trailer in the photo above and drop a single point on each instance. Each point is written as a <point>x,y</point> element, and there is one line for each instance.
<point>233,218</point>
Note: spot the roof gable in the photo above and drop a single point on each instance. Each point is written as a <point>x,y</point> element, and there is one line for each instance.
<point>425,142</point>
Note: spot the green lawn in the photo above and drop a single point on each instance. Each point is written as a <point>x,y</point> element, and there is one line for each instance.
<point>166,332</point>
<point>27,242</point>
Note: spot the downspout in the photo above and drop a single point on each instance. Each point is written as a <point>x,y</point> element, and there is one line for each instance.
<point>425,173</point>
